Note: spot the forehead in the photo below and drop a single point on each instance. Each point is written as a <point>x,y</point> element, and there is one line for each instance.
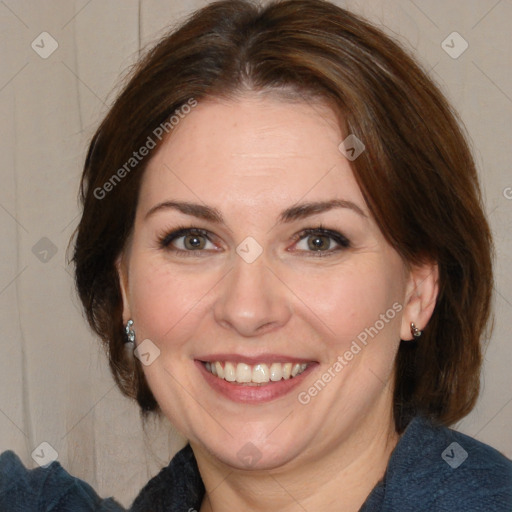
<point>255,149</point>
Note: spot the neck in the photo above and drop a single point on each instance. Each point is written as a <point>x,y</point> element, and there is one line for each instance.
<point>338,480</point>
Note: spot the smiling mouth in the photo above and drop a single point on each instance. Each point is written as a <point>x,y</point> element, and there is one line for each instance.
<point>254,375</point>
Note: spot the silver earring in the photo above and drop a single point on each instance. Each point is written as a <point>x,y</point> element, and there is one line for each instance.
<point>415,331</point>
<point>130,333</point>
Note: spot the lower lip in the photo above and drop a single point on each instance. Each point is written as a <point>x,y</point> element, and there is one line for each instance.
<point>253,394</point>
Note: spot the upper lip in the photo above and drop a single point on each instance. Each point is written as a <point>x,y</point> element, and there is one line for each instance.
<point>252,360</point>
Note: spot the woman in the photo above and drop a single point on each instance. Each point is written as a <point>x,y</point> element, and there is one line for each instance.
<point>284,250</point>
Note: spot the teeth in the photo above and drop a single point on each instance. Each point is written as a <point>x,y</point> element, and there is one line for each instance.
<point>229,372</point>
<point>243,373</point>
<point>276,372</point>
<point>258,374</point>
<point>296,369</point>
<point>219,371</point>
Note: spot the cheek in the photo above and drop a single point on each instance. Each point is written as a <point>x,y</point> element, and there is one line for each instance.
<point>357,302</point>
<point>165,303</point>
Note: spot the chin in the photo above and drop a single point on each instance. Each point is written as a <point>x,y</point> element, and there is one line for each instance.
<point>246,452</point>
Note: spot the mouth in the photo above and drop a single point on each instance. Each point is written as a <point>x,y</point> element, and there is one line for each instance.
<point>256,375</point>
<point>251,381</point>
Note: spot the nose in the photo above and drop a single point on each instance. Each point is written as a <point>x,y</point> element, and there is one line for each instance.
<point>252,300</point>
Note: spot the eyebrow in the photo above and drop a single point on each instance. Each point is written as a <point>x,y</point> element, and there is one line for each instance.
<point>197,210</point>
<point>303,210</point>
<point>291,214</point>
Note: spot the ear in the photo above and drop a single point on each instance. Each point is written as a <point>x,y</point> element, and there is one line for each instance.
<point>122,272</point>
<point>420,299</point>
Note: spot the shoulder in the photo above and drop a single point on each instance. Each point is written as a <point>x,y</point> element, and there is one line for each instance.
<point>46,489</point>
<point>443,469</point>
<point>177,487</point>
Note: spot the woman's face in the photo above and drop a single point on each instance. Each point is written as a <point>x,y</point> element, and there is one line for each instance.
<point>283,270</point>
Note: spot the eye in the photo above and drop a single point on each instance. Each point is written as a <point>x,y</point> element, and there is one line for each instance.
<point>187,240</point>
<point>321,241</point>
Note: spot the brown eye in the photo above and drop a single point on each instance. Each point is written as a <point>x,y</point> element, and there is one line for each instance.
<point>193,242</point>
<point>186,240</point>
<point>319,242</point>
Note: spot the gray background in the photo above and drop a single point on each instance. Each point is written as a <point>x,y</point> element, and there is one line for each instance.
<point>55,386</point>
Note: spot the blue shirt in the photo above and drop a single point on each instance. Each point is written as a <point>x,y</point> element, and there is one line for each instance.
<point>432,469</point>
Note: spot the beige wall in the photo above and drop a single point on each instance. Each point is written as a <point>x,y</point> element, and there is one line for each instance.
<point>55,387</point>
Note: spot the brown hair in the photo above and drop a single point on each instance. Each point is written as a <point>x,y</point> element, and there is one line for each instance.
<point>416,174</point>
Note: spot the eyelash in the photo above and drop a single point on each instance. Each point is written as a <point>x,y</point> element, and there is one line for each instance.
<point>167,238</point>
